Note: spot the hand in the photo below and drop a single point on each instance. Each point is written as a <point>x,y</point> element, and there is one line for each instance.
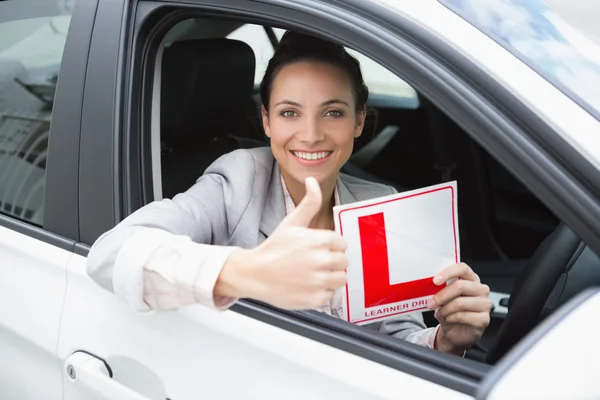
<point>295,268</point>
<point>462,308</point>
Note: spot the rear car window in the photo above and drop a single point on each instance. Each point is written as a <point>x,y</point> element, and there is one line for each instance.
<point>30,56</point>
<point>539,36</point>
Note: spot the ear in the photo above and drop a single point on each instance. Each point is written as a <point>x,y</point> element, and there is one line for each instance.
<point>265,121</point>
<point>360,122</point>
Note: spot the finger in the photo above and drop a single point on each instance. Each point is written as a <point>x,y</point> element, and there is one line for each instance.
<point>465,304</point>
<point>479,320</point>
<point>339,262</point>
<point>458,288</point>
<point>310,205</point>
<point>460,270</point>
<point>336,279</point>
<point>328,260</point>
<point>322,297</point>
<point>329,239</point>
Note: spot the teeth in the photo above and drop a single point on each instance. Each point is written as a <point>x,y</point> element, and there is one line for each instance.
<point>311,156</point>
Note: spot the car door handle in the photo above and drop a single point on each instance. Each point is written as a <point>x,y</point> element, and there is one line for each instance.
<point>92,376</point>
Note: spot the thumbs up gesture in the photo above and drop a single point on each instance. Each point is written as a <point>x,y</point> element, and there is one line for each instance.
<point>296,267</point>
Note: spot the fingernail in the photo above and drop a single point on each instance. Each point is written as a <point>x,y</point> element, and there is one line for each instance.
<point>431,304</point>
<point>438,280</point>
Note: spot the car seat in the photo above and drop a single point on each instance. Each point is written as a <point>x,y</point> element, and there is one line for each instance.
<point>206,107</point>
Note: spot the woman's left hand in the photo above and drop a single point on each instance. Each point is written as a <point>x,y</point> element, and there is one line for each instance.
<point>462,308</point>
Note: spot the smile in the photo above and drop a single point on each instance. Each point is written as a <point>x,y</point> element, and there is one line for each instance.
<point>319,155</point>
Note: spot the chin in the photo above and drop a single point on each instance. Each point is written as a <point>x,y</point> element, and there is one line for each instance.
<point>320,176</point>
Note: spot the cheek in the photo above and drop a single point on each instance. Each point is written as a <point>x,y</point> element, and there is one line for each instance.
<point>281,132</point>
<point>343,134</point>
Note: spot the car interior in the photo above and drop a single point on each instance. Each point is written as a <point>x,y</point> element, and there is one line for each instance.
<point>532,262</point>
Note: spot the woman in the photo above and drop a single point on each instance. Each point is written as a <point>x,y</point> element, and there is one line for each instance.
<point>259,223</point>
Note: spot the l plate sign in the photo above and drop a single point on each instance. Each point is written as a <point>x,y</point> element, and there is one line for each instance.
<point>396,245</point>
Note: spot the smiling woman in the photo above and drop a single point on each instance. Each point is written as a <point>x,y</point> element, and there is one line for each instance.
<point>258,223</point>
<point>314,107</point>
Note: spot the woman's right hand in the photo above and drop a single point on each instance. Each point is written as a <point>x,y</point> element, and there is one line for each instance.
<point>295,268</point>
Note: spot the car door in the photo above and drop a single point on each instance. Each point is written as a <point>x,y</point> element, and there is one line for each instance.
<point>38,156</point>
<point>109,351</point>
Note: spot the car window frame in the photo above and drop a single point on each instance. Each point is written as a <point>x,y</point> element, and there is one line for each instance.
<point>348,22</point>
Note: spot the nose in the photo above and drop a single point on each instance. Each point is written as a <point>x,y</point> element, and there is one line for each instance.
<point>311,132</point>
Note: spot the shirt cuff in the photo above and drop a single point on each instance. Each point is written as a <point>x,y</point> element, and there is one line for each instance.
<point>433,336</point>
<point>183,268</point>
<point>424,337</point>
<point>192,270</point>
<point>128,270</point>
<point>202,278</point>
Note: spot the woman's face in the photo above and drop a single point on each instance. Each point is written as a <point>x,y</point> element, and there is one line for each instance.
<point>312,121</point>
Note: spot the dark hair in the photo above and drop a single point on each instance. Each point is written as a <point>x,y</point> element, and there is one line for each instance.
<point>295,47</point>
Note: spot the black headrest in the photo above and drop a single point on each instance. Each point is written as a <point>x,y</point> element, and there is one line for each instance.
<point>206,87</point>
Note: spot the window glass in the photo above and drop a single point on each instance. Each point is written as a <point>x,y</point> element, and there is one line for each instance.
<point>256,37</point>
<point>379,80</point>
<point>30,56</point>
<point>538,35</point>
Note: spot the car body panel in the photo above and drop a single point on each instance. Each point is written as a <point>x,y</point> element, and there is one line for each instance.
<point>197,352</point>
<point>32,291</point>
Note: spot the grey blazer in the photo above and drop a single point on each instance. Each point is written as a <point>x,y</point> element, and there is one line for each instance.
<point>238,201</point>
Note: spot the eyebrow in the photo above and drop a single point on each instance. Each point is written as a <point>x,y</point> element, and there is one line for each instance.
<point>325,103</point>
<point>334,101</point>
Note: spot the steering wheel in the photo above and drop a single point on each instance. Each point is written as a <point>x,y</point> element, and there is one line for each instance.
<point>555,256</point>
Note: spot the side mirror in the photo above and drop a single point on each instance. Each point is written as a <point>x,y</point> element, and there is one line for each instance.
<point>559,359</point>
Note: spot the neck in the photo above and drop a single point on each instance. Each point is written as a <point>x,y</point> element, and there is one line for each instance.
<point>297,190</point>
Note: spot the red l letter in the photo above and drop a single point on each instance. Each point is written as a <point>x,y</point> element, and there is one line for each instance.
<point>376,269</point>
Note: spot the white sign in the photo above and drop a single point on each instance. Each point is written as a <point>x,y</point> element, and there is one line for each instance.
<point>396,245</point>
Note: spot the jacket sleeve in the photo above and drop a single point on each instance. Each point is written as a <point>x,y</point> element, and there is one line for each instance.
<point>162,256</point>
<point>410,327</point>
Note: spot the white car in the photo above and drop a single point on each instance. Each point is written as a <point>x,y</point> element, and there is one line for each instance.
<point>99,116</point>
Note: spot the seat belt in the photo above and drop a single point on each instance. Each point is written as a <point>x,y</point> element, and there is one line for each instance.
<point>371,150</point>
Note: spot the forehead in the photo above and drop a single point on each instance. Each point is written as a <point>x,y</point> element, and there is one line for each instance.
<point>312,77</point>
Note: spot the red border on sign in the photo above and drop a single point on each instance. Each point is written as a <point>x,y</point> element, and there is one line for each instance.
<point>397,199</point>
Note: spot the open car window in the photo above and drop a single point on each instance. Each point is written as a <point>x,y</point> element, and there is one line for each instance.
<point>501,221</point>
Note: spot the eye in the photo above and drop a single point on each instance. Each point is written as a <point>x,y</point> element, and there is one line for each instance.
<point>289,113</point>
<point>335,113</point>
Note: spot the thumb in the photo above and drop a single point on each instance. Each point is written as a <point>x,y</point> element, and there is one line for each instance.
<point>310,205</point>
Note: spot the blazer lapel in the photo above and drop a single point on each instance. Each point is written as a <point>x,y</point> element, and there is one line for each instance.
<point>274,209</point>
<point>346,197</point>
